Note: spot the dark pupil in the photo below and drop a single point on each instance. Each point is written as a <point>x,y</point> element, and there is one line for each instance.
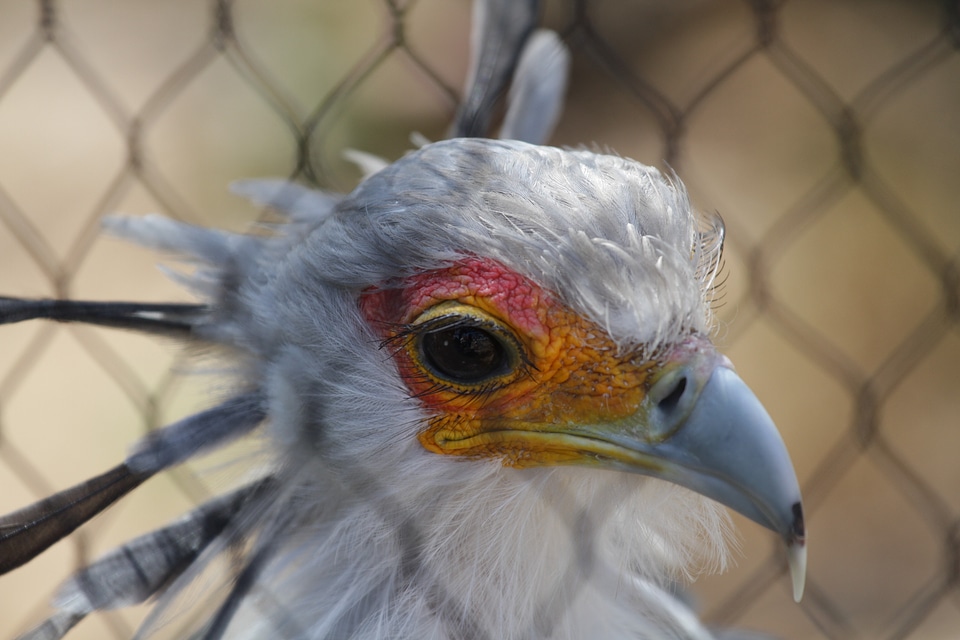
<point>463,354</point>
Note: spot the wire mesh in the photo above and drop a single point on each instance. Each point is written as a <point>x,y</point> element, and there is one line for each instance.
<point>825,132</point>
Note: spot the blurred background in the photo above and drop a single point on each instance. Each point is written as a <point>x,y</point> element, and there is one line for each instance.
<point>825,132</point>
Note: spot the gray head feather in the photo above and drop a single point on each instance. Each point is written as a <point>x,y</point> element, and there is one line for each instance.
<point>609,236</point>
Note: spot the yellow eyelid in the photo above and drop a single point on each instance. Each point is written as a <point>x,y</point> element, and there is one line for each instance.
<point>455,308</point>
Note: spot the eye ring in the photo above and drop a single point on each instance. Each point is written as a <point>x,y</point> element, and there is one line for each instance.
<point>461,346</point>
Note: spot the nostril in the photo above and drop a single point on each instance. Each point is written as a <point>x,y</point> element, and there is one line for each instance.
<point>672,399</point>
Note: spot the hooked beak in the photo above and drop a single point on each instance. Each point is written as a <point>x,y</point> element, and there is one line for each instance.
<point>729,450</point>
<point>703,428</point>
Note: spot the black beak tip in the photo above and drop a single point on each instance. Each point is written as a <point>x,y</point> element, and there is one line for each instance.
<point>798,530</point>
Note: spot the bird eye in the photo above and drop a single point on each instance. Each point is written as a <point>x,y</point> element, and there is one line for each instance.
<point>464,354</point>
<point>464,347</point>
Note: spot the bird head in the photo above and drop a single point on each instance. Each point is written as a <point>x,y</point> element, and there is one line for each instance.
<point>492,303</point>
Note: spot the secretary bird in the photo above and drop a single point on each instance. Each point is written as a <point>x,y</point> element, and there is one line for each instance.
<point>484,385</point>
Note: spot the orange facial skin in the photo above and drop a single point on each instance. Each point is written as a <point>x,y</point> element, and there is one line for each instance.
<point>568,372</point>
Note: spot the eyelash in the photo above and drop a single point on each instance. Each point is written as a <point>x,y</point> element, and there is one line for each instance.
<point>405,337</point>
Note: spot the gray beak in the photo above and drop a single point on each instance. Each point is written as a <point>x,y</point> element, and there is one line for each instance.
<point>728,449</point>
<point>702,427</point>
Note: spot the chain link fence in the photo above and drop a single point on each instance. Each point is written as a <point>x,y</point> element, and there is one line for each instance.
<point>826,132</point>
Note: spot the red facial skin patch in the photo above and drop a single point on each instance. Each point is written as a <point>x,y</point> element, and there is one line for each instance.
<point>570,372</point>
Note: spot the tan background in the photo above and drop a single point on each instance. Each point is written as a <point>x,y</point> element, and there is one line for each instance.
<point>826,132</point>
